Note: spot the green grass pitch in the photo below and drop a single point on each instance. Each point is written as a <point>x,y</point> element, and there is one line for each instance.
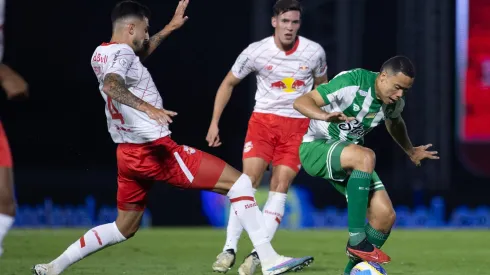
<point>188,251</point>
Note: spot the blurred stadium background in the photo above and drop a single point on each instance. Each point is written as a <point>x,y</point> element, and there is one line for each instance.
<point>65,160</point>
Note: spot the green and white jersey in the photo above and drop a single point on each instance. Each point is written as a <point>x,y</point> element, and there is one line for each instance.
<point>353,93</point>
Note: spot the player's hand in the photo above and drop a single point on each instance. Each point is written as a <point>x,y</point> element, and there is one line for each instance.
<point>213,138</point>
<point>179,18</point>
<point>420,153</point>
<point>337,117</point>
<point>14,85</point>
<point>162,116</point>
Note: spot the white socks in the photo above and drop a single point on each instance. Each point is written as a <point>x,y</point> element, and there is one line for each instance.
<point>5,224</point>
<point>94,240</point>
<point>274,211</point>
<point>242,199</point>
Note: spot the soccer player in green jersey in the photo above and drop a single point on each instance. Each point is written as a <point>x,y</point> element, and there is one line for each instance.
<point>343,111</point>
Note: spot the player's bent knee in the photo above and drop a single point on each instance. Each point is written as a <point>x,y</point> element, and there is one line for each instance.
<point>128,222</point>
<point>279,184</point>
<point>365,159</point>
<point>7,207</point>
<point>383,219</point>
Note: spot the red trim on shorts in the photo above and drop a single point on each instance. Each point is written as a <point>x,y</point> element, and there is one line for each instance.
<point>278,220</point>
<point>243,198</point>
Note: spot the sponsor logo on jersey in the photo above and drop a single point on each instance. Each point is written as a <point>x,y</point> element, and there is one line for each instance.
<point>288,84</point>
<point>370,115</point>
<point>356,108</point>
<point>268,67</point>
<point>363,93</point>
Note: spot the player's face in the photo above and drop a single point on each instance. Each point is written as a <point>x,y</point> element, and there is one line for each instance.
<point>140,34</point>
<point>286,26</point>
<point>393,86</point>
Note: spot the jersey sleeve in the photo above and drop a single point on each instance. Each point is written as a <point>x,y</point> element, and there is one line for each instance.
<point>331,91</point>
<point>320,59</point>
<point>244,64</point>
<point>119,61</point>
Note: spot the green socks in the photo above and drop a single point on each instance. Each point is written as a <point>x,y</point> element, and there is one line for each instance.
<point>357,203</point>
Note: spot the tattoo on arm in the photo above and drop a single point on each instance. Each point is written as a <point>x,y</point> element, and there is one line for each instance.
<point>152,44</point>
<point>115,87</point>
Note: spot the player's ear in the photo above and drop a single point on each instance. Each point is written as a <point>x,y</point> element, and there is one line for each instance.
<point>132,28</point>
<point>274,21</point>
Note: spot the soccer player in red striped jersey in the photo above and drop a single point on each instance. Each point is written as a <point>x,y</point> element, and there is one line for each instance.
<point>138,123</point>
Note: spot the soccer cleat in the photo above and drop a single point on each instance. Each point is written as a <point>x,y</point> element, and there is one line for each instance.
<point>249,265</point>
<point>224,261</point>
<point>285,264</point>
<point>367,252</point>
<point>42,269</point>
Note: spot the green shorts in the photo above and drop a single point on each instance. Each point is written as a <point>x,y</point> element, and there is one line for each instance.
<point>321,158</point>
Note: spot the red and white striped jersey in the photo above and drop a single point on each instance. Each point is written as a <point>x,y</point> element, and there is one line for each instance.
<point>128,125</point>
<point>281,76</point>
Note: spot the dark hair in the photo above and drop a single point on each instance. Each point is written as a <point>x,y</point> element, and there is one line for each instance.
<point>399,64</point>
<point>129,8</point>
<point>283,6</point>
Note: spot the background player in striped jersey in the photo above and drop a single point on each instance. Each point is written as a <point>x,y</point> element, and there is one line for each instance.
<point>15,87</point>
<point>286,66</point>
<point>138,123</point>
<point>342,112</point>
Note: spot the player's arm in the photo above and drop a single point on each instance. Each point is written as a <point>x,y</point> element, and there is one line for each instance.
<point>14,85</point>
<point>310,104</point>
<point>398,131</point>
<point>177,21</point>
<point>223,96</point>
<point>115,87</point>
<point>242,67</point>
<point>320,68</point>
<point>321,80</point>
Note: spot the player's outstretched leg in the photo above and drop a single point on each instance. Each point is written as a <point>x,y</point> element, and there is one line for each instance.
<point>361,161</point>
<point>254,167</point>
<point>7,202</point>
<point>381,217</point>
<point>238,188</point>
<point>273,211</point>
<point>96,239</point>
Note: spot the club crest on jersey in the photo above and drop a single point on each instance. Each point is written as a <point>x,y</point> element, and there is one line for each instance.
<point>268,67</point>
<point>248,146</point>
<point>189,150</point>
<point>288,84</point>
